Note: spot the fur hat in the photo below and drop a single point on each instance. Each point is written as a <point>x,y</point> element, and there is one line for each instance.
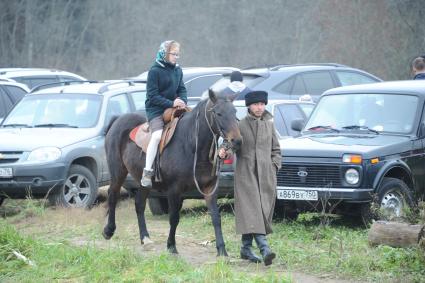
<point>236,76</point>
<point>256,96</point>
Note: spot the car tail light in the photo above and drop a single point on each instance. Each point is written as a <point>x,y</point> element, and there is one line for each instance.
<point>228,161</point>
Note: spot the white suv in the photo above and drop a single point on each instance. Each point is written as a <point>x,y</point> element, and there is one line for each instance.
<point>33,77</point>
<point>52,142</point>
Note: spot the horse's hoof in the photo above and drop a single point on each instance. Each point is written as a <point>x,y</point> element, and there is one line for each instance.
<point>146,241</point>
<point>173,250</point>
<point>107,236</point>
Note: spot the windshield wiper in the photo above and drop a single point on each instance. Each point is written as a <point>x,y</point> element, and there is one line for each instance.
<point>320,127</point>
<point>17,126</point>
<point>357,127</point>
<point>51,125</point>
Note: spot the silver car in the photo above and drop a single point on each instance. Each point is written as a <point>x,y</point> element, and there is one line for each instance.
<point>52,142</point>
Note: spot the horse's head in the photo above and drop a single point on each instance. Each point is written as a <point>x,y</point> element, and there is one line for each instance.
<point>223,117</point>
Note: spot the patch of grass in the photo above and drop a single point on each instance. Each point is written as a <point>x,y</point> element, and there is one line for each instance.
<point>66,244</point>
<point>59,261</point>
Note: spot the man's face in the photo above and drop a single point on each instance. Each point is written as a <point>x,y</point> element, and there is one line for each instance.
<point>257,109</point>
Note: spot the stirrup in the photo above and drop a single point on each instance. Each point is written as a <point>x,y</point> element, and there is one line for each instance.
<point>146,181</point>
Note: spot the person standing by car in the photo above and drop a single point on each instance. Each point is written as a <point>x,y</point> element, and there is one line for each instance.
<point>418,68</point>
<point>165,89</point>
<point>237,86</point>
<point>257,163</point>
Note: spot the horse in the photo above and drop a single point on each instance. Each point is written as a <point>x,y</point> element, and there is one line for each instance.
<point>185,163</point>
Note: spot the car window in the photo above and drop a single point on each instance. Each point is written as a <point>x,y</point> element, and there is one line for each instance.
<point>68,78</point>
<point>197,86</point>
<point>117,105</point>
<point>353,78</point>
<point>279,123</point>
<point>380,112</point>
<point>15,92</point>
<point>290,112</point>
<point>306,108</point>
<point>241,112</point>
<point>32,82</point>
<point>80,111</point>
<point>251,80</point>
<point>139,98</point>
<point>299,87</point>
<point>285,87</point>
<point>317,82</point>
<point>6,102</point>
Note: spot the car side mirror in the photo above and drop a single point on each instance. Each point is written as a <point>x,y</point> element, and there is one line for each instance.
<point>297,125</point>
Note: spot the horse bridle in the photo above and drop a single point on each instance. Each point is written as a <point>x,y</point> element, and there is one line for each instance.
<point>214,147</point>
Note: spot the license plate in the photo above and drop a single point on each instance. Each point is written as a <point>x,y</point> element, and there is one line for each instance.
<point>297,194</point>
<point>6,172</point>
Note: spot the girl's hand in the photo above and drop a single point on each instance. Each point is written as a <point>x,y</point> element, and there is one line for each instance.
<point>179,103</point>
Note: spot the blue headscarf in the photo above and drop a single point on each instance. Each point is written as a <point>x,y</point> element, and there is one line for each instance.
<point>164,48</point>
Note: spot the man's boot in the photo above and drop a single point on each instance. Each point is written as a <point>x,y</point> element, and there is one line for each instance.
<point>146,181</point>
<point>246,251</point>
<point>265,251</point>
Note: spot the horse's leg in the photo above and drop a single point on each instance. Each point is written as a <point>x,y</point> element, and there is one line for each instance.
<point>140,203</point>
<point>216,220</point>
<point>113,195</point>
<point>175,203</point>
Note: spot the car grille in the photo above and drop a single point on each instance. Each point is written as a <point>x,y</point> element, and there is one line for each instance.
<point>10,156</point>
<point>320,176</point>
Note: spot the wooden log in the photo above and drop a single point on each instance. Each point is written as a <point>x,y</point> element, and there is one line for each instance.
<point>395,234</point>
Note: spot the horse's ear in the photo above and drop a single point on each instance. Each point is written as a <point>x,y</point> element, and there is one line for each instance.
<point>212,95</point>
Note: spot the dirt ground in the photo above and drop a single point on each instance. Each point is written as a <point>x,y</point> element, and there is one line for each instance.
<point>82,227</point>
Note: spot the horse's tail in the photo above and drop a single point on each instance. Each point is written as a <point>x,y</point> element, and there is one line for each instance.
<point>110,124</point>
<point>117,136</point>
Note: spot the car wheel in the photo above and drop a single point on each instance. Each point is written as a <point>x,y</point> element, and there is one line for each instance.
<point>158,206</point>
<point>394,200</point>
<point>79,189</point>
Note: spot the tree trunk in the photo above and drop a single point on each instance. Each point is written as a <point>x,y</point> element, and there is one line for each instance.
<point>394,234</point>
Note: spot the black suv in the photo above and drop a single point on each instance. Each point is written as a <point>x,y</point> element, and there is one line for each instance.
<point>361,144</point>
<point>294,81</point>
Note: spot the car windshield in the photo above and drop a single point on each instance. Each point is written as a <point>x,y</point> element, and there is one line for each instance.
<point>373,113</point>
<point>55,110</point>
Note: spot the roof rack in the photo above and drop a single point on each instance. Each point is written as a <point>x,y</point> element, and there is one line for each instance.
<point>130,82</point>
<point>43,86</point>
<point>277,67</point>
<point>4,71</point>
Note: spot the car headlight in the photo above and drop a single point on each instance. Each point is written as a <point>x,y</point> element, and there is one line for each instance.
<point>352,176</point>
<point>44,154</point>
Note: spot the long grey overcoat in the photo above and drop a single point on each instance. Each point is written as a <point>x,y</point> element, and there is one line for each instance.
<point>257,162</point>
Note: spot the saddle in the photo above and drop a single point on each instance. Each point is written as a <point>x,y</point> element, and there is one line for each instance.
<point>141,134</point>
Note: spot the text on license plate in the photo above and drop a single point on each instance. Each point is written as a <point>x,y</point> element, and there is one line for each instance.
<point>297,194</point>
<point>6,172</point>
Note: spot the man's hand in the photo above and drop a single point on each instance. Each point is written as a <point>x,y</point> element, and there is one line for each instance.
<point>179,103</point>
<point>224,154</point>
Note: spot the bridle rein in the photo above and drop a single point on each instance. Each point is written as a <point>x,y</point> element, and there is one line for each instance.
<point>214,147</point>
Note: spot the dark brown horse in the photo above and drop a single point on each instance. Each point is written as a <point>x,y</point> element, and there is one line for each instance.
<point>196,133</point>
